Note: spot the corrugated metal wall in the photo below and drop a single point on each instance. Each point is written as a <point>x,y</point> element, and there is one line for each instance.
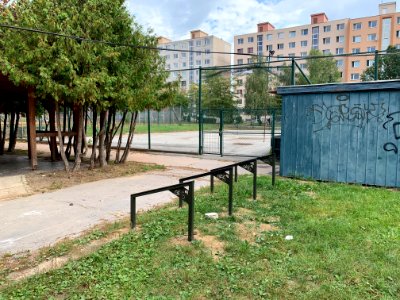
<point>342,132</point>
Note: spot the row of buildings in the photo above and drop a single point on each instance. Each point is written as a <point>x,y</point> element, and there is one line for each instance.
<point>365,34</point>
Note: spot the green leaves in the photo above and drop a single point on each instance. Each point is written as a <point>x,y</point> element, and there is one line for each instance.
<point>89,73</point>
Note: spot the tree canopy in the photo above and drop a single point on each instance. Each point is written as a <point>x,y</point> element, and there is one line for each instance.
<point>388,66</point>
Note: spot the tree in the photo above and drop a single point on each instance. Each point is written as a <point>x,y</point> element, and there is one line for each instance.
<point>321,68</point>
<point>217,91</point>
<point>83,74</point>
<point>388,66</point>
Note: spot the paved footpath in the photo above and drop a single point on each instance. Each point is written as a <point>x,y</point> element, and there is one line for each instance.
<point>40,220</point>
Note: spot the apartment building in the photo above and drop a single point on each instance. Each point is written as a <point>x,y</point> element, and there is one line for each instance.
<point>365,34</point>
<point>202,47</point>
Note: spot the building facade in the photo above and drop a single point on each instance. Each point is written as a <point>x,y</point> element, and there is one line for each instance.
<point>202,54</point>
<point>365,34</point>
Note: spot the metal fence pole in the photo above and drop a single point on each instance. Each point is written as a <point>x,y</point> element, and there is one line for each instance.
<point>191,211</point>
<point>255,181</point>
<point>200,118</point>
<point>293,73</point>
<point>148,129</point>
<point>221,132</point>
<point>376,74</point>
<point>230,209</point>
<point>273,146</point>
<point>133,212</point>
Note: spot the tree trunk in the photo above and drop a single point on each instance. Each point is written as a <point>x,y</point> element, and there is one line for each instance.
<point>3,135</point>
<point>130,137</point>
<point>11,132</point>
<point>121,132</point>
<point>60,139</point>
<point>102,137</point>
<point>110,133</point>
<point>13,137</point>
<point>78,147</point>
<point>93,156</point>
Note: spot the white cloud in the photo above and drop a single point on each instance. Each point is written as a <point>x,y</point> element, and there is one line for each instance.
<point>226,18</point>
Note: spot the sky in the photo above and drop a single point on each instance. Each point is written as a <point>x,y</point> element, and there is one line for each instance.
<point>175,19</point>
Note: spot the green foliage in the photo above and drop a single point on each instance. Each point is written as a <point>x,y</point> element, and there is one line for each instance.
<point>388,66</point>
<point>319,70</point>
<point>322,70</point>
<point>345,246</point>
<point>217,92</point>
<point>81,72</point>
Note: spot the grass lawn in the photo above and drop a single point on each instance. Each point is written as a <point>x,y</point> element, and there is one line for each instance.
<point>346,245</point>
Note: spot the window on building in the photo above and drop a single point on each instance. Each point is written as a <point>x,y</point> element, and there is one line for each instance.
<point>315,37</point>
<point>355,76</point>
<point>292,45</point>
<point>281,35</point>
<point>398,33</point>
<point>372,24</point>
<point>270,37</point>
<point>280,46</point>
<point>339,50</point>
<point>326,41</point>
<point>398,20</point>
<point>198,43</point>
<point>280,57</point>
<point>176,55</point>
<point>357,26</point>
<point>355,64</point>
<point>206,61</point>
<point>357,39</point>
<point>371,49</point>
<point>356,50</point>
<point>207,51</point>
<point>183,84</point>
<point>239,92</point>
<point>303,54</point>
<point>249,60</point>
<point>250,39</point>
<point>183,54</point>
<point>303,43</point>
<point>183,65</point>
<point>240,41</point>
<point>339,63</point>
<point>370,62</point>
<point>340,26</point>
<point>239,82</point>
<point>372,37</point>
<point>269,47</point>
<point>304,31</point>
<point>240,50</point>
<point>340,39</point>
<point>397,46</point>
<point>292,34</point>
<point>326,51</point>
<point>198,62</point>
<point>176,65</point>
<point>198,53</point>
<point>291,54</point>
<point>303,66</point>
<point>327,28</point>
<point>250,50</point>
<point>341,74</point>
<point>168,66</point>
<point>240,61</point>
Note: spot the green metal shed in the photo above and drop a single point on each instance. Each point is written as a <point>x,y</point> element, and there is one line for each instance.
<point>342,132</point>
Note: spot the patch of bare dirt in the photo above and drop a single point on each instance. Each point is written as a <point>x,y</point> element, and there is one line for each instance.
<point>211,242</point>
<point>311,194</point>
<point>44,181</point>
<point>249,231</point>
